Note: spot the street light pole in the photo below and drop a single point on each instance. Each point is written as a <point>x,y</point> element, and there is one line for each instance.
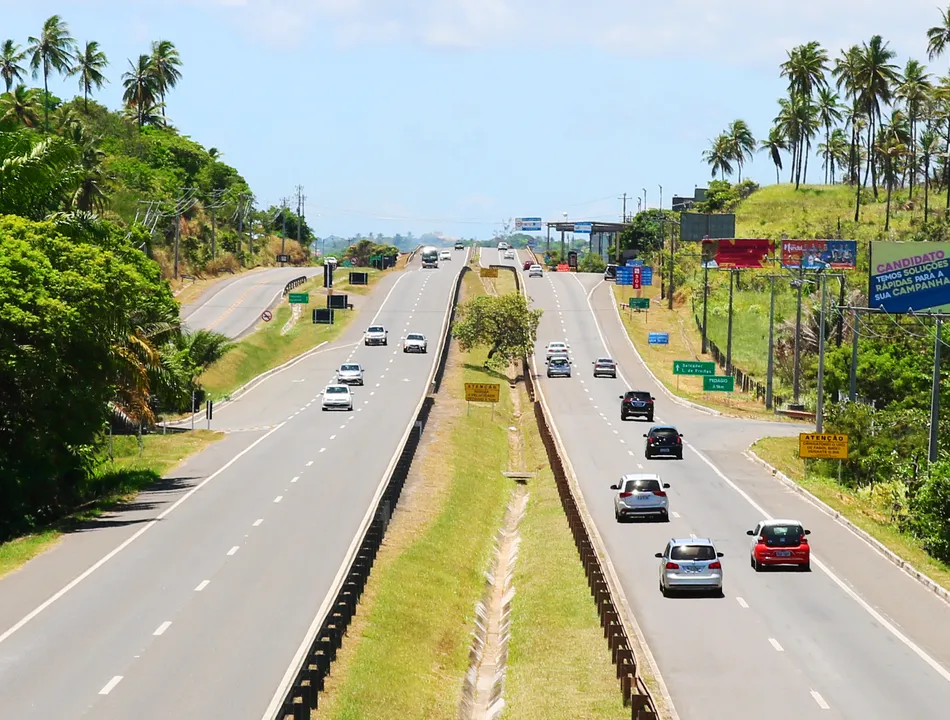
<point>732,277</point>
<point>672,248</point>
<point>661,197</point>
<point>705,302</point>
<point>771,362</point>
<point>820,414</point>
<point>935,394</point>
<point>796,373</point>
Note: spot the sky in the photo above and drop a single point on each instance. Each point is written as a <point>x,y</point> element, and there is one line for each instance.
<point>454,115</point>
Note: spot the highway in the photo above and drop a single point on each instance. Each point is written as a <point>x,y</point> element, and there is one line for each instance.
<point>234,306</point>
<point>192,601</point>
<point>854,638</point>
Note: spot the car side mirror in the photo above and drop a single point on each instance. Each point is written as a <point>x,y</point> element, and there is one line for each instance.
<point>620,396</point>
<point>719,554</point>
<point>750,532</point>
<point>652,398</point>
<point>666,486</point>
<point>681,434</point>
<point>615,487</point>
<point>659,555</point>
<point>808,532</point>
<point>644,434</point>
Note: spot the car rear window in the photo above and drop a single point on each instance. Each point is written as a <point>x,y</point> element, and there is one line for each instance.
<point>782,534</point>
<point>693,552</point>
<point>559,361</point>
<point>605,361</point>
<point>337,390</point>
<point>376,328</point>
<point>414,336</point>
<point>665,433</point>
<point>637,395</point>
<point>642,485</point>
<point>348,368</point>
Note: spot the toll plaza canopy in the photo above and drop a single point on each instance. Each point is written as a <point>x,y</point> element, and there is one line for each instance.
<point>602,235</point>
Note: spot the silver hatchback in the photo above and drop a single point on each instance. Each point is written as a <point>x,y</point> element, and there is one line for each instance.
<point>690,564</point>
<point>641,495</point>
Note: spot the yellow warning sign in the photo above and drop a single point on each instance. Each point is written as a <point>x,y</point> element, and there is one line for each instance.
<point>488,273</point>
<point>824,446</point>
<point>482,392</point>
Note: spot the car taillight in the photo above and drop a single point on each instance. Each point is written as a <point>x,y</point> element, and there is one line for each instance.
<point>715,565</point>
<point>803,540</point>
<point>761,540</point>
<point>679,441</point>
<point>659,493</point>
<point>649,441</point>
<point>672,566</point>
<point>625,495</point>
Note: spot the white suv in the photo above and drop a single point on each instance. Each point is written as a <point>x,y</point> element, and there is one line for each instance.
<point>376,335</point>
<point>415,342</point>
<point>337,397</point>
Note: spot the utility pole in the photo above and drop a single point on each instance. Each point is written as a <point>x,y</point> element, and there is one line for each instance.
<point>645,206</point>
<point>771,361</point>
<point>935,393</point>
<point>672,249</point>
<point>820,414</point>
<point>283,218</point>
<point>796,373</point>
<point>299,211</point>
<point>213,238</point>
<point>732,277</point>
<point>661,197</point>
<point>177,240</point>
<point>624,198</point>
<point>705,302</point>
<point>855,333</point>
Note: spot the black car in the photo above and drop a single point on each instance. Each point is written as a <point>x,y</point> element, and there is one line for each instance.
<point>636,403</point>
<point>610,272</point>
<point>664,441</point>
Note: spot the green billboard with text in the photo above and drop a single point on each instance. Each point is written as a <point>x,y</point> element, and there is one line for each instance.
<point>693,367</point>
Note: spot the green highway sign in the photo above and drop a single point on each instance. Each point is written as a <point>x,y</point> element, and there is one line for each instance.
<point>719,383</point>
<point>640,303</point>
<point>693,367</point>
<point>299,298</point>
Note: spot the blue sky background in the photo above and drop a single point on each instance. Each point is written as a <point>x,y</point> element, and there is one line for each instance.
<point>451,115</point>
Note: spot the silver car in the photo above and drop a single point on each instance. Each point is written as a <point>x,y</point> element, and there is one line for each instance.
<point>641,495</point>
<point>556,348</point>
<point>337,397</point>
<point>559,366</point>
<point>690,564</point>
<point>415,342</point>
<point>376,335</point>
<point>350,374</point>
<point>535,271</point>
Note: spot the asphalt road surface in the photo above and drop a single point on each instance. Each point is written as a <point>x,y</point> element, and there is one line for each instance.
<point>854,638</point>
<point>234,306</point>
<point>192,601</point>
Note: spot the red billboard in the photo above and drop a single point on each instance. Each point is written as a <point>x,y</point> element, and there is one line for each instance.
<point>737,253</point>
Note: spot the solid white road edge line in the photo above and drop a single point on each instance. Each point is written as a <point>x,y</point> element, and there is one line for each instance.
<point>284,687</point>
<point>916,649</point>
<point>165,513</point>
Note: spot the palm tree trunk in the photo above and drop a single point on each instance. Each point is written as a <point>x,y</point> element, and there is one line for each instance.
<point>890,181</point>
<point>853,153</point>
<point>873,170</point>
<point>828,179</point>
<point>867,169</point>
<point>806,153</point>
<point>926,191</point>
<point>913,154</point>
<point>85,100</point>
<point>46,95</point>
<point>791,174</point>
<point>778,180</point>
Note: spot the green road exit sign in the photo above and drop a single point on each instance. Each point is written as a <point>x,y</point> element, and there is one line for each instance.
<point>719,383</point>
<point>640,303</point>
<point>299,298</point>
<point>693,367</point>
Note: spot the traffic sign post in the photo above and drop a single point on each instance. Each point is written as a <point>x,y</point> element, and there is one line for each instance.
<point>584,228</point>
<point>482,392</point>
<point>637,277</point>
<point>532,224</point>
<point>283,258</point>
<point>719,383</point>
<point>639,303</point>
<point>299,298</point>
<point>659,338</point>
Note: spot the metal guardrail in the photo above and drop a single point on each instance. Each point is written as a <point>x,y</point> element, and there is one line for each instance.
<point>634,692</point>
<point>413,254</point>
<point>308,681</point>
<point>296,282</point>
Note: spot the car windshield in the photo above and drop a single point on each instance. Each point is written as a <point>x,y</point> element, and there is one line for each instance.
<point>693,552</point>
<point>414,336</point>
<point>337,390</point>
<point>782,534</point>
<point>665,433</point>
<point>636,395</point>
<point>605,361</point>
<point>642,485</point>
<point>350,368</point>
<point>376,329</point>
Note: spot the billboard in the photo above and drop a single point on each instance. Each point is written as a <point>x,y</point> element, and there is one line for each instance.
<point>817,254</point>
<point>910,276</point>
<point>737,253</point>
<point>697,226</point>
<point>531,224</point>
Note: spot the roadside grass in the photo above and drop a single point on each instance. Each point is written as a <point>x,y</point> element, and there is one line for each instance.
<point>267,348</point>
<point>115,481</point>
<point>685,344</point>
<point>867,512</point>
<point>558,662</point>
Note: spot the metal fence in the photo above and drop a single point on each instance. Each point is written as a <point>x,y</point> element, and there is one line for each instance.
<point>296,282</point>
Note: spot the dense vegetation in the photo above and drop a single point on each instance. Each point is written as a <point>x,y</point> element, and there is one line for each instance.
<point>90,335</point>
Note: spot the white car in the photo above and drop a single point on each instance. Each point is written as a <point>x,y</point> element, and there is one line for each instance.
<point>509,254</point>
<point>556,348</point>
<point>376,335</point>
<point>502,246</point>
<point>535,271</point>
<point>690,564</point>
<point>445,255</point>
<point>336,397</point>
<point>641,495</point>
<point>415,342</point>
<point>350,374</point>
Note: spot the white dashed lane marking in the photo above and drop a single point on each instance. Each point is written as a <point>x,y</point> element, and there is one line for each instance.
<point>742,603</point>
<point>162,628</point>
<point>774,643</point>
<point>233,550</point>
<point>110,686</point>
<point>202,585</point>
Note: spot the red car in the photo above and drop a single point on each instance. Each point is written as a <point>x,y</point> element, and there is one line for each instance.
<point>780,542</point>
<point>528,264</point>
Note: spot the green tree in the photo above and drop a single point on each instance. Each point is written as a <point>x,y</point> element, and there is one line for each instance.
<point>591,263</point>
<point>805,69</point>
<point>741,143</point>
<point>20,107</point>
<point>52,50</point>
<point>719,156</point>
<point>931,506</point>
<point>876,79</point>
<point>141,89</point>
<point>36,175</point>
<point>845,73</point>
<point>90,63</point>
<point>914,90</point>
<point>829,113</point>
<point>165,62</point>
<point>10,69</point>
<point>505,324</point>
<point>938,37</point>
<point>774,144</point>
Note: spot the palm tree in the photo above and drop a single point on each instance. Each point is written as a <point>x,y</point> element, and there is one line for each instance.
<point>774,144</point>
<point>52,50</point>
<point>805,69</point>
<point>89,66</point>
<point>938,37</point>
<point>165,63</point>
<point>89,195</point>
<point>914,90</point>
<point>787,123</point>
<point>719,156</point>
<point>35,176</point>
<point>742,143</point>
<point>890,149</point>
<point>835,153</point>
<point>876,77</point>
<point>20,107</point>
<point>845,73</point>
<point>829,113</point>
<point>10,68</point>
<point>929,148</point>
<point>141,88</point>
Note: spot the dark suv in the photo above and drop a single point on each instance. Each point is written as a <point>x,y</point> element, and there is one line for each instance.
<point>636,403</point>
<point>665,441</point>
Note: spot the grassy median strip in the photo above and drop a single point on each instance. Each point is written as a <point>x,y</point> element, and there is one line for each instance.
<point>129,472</point>
<point>267,348</point>
<point>869,512</point>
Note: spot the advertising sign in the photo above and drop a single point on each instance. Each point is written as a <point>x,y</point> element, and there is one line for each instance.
<point>583,227</point>
<point>823,446</point>
<point>910,276</point>
<point>532,224</point>
<point>482,392</point>
<point>719,383</point>
<point>817,254</point>
<point>737,253</point>
<point>693,367</point>
<point>658,338</point>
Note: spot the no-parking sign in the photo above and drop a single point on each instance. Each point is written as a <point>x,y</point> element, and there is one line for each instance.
<point>267,316</point>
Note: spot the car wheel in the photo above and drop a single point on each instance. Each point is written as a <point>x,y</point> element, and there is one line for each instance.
<point>351,408</point>
<point>665,517</point>
<point>647,456</point>
<point>665,590</point>
<point>385,342</point>
<point>756,565</point>
<point>324,408</point>
<point>649,418</point>
<point>623,418</point>
<point>405,350</point>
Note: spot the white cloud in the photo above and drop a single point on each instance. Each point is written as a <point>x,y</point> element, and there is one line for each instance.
<point>746,32</point>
